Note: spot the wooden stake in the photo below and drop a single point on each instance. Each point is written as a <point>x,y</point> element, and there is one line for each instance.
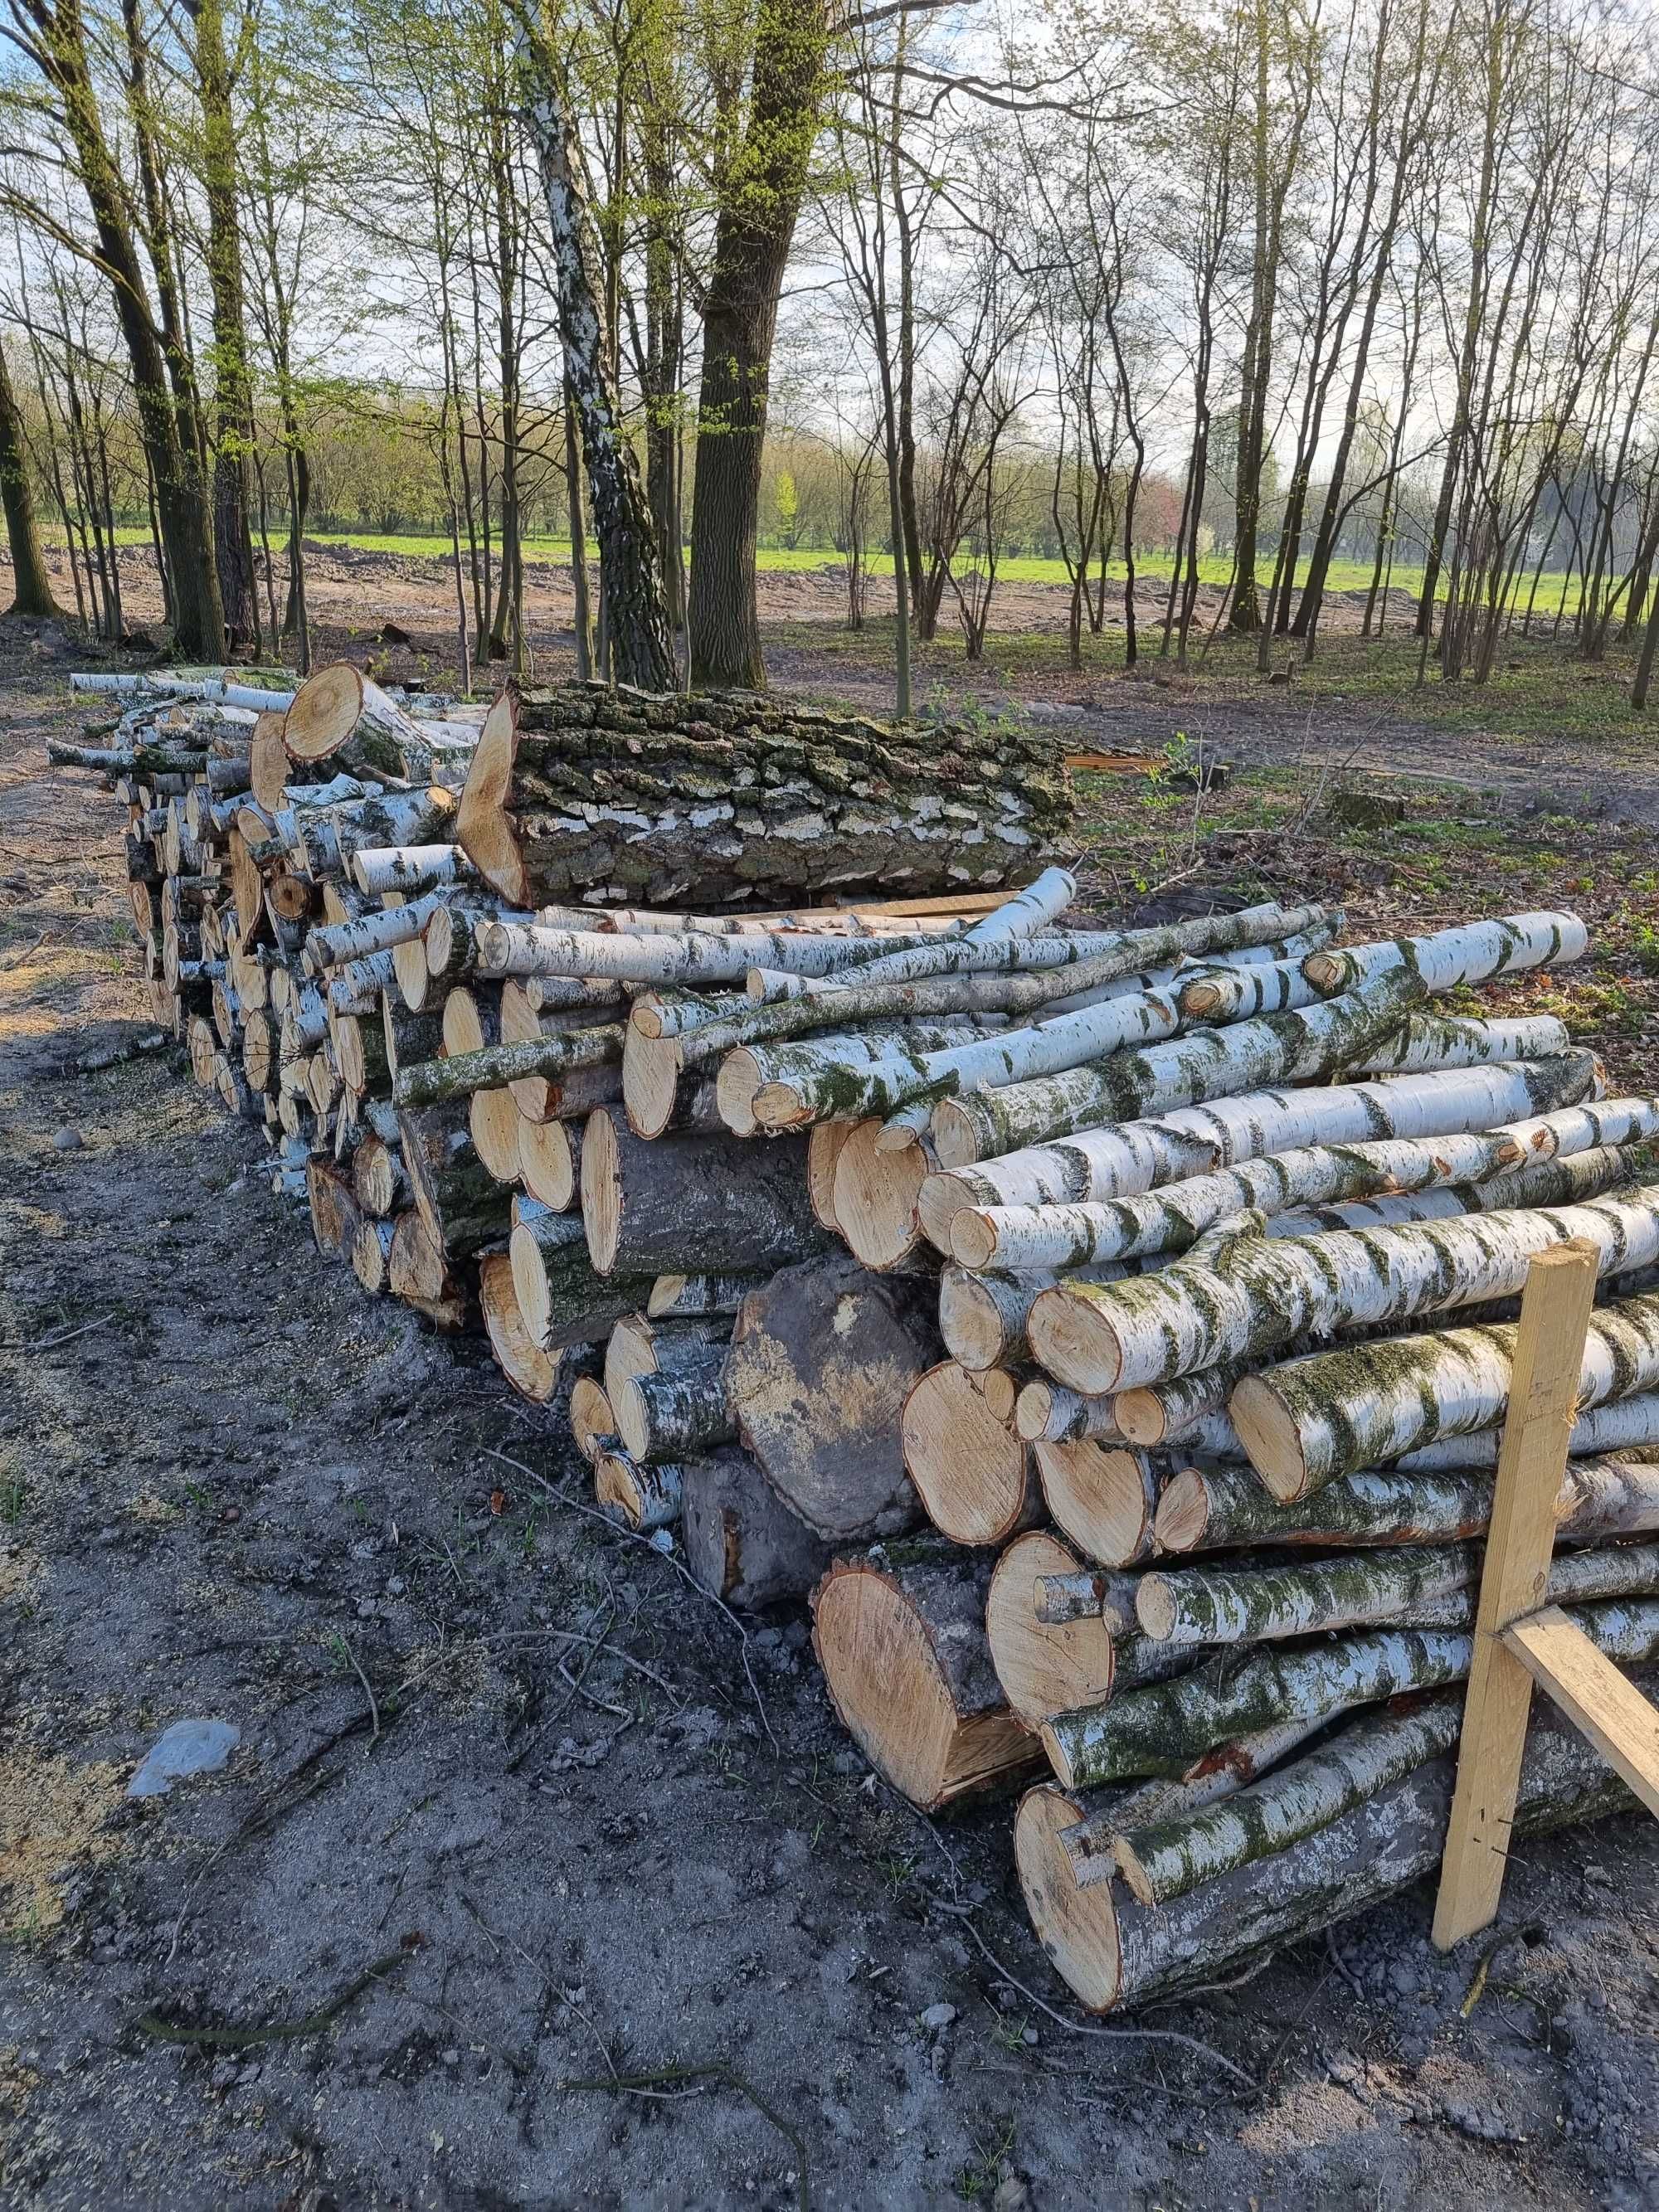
<point>1600,1701</point>
<point>1549,1352</point>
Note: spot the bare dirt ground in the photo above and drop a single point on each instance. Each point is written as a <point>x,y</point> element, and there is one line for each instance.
<point>516,1815</point>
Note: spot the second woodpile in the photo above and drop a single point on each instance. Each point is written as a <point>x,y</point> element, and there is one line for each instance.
<point>1106,1331</point>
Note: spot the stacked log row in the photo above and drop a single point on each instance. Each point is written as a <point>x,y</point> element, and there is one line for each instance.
<point>1105,1327</point>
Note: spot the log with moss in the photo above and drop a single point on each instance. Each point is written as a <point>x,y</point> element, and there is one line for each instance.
<point>1470,953</point>
<point>1149,1328</point>
<point>1290,1047</point>
<point>1161,1729</point>
<point>1308,1421</point>
<point>1115,1952</point>
<point>1220,1509</point>
<point>578,790</point>
<point>1124,1158</point>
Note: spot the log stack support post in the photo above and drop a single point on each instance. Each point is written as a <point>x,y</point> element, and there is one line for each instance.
<point>1519,1642</point>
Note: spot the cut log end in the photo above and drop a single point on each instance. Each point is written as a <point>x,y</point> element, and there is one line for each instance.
<point>601,1188</point>
<point>1182,1512</point>
<point>876,1194</point>
<point>483,826</point>
<point>1076,1926</point>
<point>651,1077</point>
<point>1045,1668</point>
<point>325,711</point>
<point>533,1373</point>
<point>1268,1432</point>
<point>824,1151</point>
<point>737,1090</point>
<point>972,1239</point>
<point>887,1682</point>
<point>972,1475</point>
<point>1103,1497</point>
<point>547,1161</point>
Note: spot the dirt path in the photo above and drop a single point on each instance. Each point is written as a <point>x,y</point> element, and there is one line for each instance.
<point>506,1765</point>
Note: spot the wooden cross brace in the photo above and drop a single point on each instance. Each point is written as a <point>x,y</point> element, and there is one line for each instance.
<point>1517,1640</point>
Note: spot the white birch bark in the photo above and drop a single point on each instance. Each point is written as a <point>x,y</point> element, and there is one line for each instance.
<point>376,869</point>
<point>531,949</point>
<point>1431,1040</point>
<point>807,1082</point>
<point>1289,1048</point>
<point>843,1060</point>
<point>1333,1412</point>
<point>331,943</point>
<point>1151,1328</point>
<point>1468,954</point>
<point>1541,1183</point>
<point>1237,994</point>
<point>1127,1157</point>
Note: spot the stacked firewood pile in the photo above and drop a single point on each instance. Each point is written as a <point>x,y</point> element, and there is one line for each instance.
<point>1107,1329</point>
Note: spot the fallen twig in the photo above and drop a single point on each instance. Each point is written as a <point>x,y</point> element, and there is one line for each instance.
<point>716,2071</point>
<point>240,2039</point>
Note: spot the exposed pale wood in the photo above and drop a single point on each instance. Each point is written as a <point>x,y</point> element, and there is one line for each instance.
<point>973,1477</point>
<point>1549,1349</point>
<point>1103,1496</point>
<point>1601,1703</point>
<point>1045,1668</point>
<point>900,1635</point>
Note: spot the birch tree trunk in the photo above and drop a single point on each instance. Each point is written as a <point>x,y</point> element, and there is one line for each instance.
<point>638,629</point>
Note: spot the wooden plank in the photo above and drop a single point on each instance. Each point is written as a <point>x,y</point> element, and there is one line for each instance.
<point>1549,1353</point>
<point>1603,1704</point>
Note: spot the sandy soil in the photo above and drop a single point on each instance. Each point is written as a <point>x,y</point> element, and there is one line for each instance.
<point>515,1812</point>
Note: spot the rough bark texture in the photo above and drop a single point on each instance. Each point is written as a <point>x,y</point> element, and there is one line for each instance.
<point>822,1361</point>
<point>672,1417</point>
<point>1213,1508</point>
<point>31,591</point>
<point>1151,1328</point>
<point>743,1545</point>
<point>460,1202</point>
<point>630,796</point>
<point>1334,1412</point>
<point>692,1202</point>
<point>1123,1954</point>
<point>1294,1048</point>
<point>636,612</point>
<point>1162,1728</point>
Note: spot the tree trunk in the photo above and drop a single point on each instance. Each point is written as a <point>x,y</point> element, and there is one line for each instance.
<point>1470,954</point>
<point>32,593</point>
<point>570,791</point>
<point>759,198</point>
<point>982,1316</point>
<point>637,628</point>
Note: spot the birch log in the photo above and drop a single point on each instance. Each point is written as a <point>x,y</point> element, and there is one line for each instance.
<point>821,1363</point>
<point>1215,1509</point>
<point>1114,1336</point>
<point>1114,1952</point>
<point>1469,954</point>
<point>692,1202</point>
<point>1444,1040</point>
<point>845,1066</point>
<point>561,1296</point>
<point>1289,1048</point>
<point>664,1418</point>
<point>1308,1421</point>
<point>1128,1158</point>
<point>743,1545</point>
<point>1161,1729</point>
<point>737,796</point>
<point>642,1497</point>
<point>974,1476</point>
<point>338,714</point>
<point>1103,1496</point>
<point>981,1316</point>
<point>900,1635</point>
<point>460,1202</point>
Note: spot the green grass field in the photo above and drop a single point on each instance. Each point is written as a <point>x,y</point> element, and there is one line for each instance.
<point>778,560</point>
